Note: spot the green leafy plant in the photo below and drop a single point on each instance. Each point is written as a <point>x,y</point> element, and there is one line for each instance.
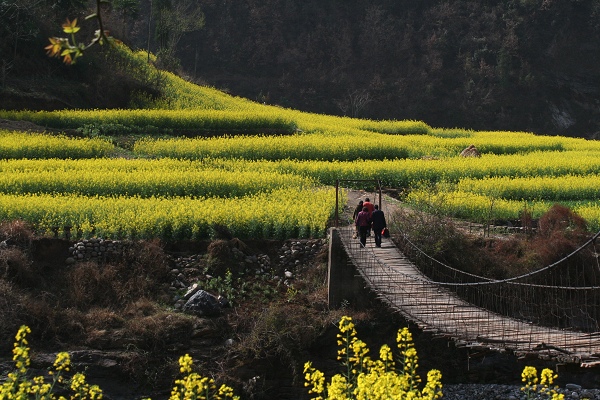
<point>291,294</point>
<point>68,48</point>
<point>235,289</point>
<point>226,286</point>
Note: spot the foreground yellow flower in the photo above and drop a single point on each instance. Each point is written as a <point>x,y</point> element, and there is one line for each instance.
<point>70,26</point>
<point>373,380</point>
<point>55,46</point>
<point>20,385</point>
<point>541,390</point>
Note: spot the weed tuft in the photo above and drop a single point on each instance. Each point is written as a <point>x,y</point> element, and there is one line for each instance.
<point>16,232</point>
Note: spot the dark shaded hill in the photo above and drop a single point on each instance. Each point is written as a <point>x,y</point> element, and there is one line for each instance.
<point>501,65</point>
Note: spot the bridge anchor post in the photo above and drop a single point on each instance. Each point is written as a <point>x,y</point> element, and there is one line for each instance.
<point>344,284</point>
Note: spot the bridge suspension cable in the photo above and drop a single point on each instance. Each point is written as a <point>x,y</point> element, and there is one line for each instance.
<point>555,308</point>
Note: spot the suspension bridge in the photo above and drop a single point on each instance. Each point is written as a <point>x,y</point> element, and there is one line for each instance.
<point>552,313</point>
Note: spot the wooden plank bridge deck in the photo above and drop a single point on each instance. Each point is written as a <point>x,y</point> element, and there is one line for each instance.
<point>436,309</point>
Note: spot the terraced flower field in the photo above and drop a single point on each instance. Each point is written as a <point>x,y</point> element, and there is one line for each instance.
<point>269,171</point>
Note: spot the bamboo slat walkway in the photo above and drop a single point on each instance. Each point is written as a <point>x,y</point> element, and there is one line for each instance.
<point>436,309</point>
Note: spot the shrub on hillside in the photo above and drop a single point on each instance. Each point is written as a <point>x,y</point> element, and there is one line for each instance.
<point>140,273</point>
<point>561,220</point>
<point>15,267</point>
<point>560,232</point>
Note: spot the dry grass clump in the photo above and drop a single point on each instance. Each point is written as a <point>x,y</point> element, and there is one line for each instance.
<point>311,288</point>
<point>141,307</point>
<point>38,311</point>
<point>281,331</point>
<point>218,255</point>
<point>16,232</point>
<point>221,258</point>
<point>114,285</point>
<point>142,325</point>
<point>85,302</point>
<point>16,267</point>
<point>88,285</point>
<point>160,331</point>
<point>561,231</point>
<point>11,307</point>
<point>103,318</point>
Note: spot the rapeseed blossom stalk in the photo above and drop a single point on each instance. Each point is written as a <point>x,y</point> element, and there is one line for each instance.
<point>364,378</point>
<point>193,386</point>
<point>314,378</point>
<point>18,385</point>
<point>535,387</point>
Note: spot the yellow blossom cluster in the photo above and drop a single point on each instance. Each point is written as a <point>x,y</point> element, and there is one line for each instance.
<point>539,388</point>
<point>364,378</point>
<point>193,386</point>
<point>24,145</point>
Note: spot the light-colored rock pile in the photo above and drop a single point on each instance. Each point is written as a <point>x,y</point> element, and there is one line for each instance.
<point>512,392</point>
<point>297,252</point>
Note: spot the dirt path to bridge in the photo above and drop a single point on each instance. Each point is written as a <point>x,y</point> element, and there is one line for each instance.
<point>391,206</point>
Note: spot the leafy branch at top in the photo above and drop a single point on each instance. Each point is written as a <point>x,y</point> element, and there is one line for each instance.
<point>68,48</point>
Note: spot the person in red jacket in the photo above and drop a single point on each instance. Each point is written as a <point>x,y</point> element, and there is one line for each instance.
<point>363,223</point>
<point>371,207</point>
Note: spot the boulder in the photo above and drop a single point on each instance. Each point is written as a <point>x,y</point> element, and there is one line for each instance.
<point>204,304</point>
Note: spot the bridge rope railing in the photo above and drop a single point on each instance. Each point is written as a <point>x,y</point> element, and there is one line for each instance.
<point>564,294</point>
<point>436,309</point>
<point>482,280</point>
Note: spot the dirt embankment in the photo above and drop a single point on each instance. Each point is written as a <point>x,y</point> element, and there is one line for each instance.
<point>22,126</point>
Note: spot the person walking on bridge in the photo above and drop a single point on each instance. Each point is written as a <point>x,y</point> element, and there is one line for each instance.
<point>363,223</point>
<point>378,221</point>
<point>358,209</point>
<point>370,207</point>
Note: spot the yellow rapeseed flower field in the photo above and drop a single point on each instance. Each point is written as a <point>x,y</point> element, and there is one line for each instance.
<point>266,166</point>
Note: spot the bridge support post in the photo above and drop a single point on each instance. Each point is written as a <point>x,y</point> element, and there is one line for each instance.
<point>344,284</point>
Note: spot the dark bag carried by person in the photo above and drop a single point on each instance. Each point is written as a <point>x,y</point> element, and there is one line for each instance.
<point>385,233</point>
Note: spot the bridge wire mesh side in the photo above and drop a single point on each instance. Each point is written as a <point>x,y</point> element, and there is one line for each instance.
<point>548,312</point>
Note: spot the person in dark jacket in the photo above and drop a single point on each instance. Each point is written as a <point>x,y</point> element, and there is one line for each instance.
<point>378,221</point>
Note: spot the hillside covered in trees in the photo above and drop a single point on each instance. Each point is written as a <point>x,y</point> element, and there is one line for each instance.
<point>500,65</point>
